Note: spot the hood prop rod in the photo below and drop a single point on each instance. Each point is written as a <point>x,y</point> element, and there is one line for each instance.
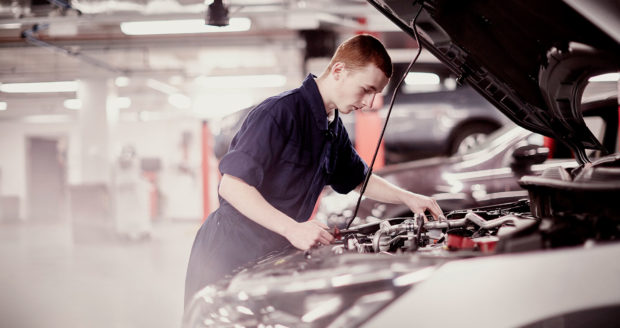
<point>387,118</point>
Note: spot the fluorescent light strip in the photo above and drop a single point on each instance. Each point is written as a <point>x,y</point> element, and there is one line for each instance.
<point>183,26</point>
<point>121,81</point>
<point>10,26</point>
<point>180,101</point>
<point>161,87</point>
<point>74,104</point>
<point>39,87</point>
<point>122,102</point>
<point>43,119</point>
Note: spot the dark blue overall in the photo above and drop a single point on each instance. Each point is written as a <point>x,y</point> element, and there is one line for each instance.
<point>286,150</point>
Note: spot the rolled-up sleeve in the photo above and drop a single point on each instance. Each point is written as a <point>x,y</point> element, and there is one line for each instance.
<point>254,148</point>
<point>350,169</point>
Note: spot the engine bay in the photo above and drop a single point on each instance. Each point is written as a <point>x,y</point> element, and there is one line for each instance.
<point>505,228</point>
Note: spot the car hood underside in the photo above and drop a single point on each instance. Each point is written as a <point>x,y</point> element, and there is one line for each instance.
<point>531,59</point>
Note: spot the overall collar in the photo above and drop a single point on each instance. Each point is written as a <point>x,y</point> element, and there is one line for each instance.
<point>311,94</point>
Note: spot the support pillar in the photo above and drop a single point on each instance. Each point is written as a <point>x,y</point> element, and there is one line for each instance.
<point>91,194</point>
<point>368,127</point>
<point>94,134</point>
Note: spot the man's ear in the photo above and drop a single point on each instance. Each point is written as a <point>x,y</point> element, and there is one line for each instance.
<point>337,70</point>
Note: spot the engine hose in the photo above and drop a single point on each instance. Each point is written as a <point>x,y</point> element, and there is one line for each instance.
<point>385,229</point>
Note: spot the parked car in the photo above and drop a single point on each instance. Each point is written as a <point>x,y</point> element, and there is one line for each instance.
<point>485,175</point>
<point>432,116</point>
<point>550,260</point>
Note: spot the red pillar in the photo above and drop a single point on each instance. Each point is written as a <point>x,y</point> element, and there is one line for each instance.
<point>368,124</point>
<point>207,150</point>
<point>368,127</point>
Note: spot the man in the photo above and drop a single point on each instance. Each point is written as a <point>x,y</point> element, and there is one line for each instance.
<point>289,147</point>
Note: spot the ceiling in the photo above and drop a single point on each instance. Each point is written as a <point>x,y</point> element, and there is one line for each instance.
<point>85,41</point>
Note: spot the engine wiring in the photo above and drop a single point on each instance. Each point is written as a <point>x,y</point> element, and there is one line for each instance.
<point>387,118</point>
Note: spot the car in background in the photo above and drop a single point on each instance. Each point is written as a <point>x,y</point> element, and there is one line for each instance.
<point>433,115</point>
<point>485,175</point>
<point>547,261</point>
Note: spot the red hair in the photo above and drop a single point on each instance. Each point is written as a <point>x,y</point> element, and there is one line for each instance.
<point>359,51</point>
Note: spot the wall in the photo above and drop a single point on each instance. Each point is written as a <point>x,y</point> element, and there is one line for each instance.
<point>13,158</point>
<point>179,179</point>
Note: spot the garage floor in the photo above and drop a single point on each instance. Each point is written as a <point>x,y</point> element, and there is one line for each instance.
<point>50,280</point>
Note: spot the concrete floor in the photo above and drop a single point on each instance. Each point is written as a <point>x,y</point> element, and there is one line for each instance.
<point>48,279</point>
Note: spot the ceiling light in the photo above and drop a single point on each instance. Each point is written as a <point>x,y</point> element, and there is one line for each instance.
<point>10,26</point>
<point>121,81</point>
<point>122,102</point>
<point>217,105</point>
<point>184,26</point>
<point>3,105</point>
<point>74,104</point>
<point>47,119</point>
<point>242,81</point>
<point>161,87</point>
<point>39,87</point>
<point>217,14</point>
<point>180,101</point>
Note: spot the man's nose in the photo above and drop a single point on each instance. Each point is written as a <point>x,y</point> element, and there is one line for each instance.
<point>368,99</point>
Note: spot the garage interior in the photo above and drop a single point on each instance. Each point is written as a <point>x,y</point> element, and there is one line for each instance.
<point>109,112</point>
<point>102,175</point>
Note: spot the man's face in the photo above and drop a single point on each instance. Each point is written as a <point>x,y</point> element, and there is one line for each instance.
<point>357,88</point>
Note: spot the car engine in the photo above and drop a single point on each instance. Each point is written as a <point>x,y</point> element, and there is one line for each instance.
<point>565,208</point>
<point>475,230</point>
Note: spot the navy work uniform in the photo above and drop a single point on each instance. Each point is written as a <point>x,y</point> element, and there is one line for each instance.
<point>288,151</point>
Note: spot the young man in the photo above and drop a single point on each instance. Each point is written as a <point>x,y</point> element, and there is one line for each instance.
<point>289,147</point>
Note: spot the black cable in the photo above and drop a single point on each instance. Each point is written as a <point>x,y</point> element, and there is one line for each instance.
<point>359,199</point>
<point>30,37</point>
<point>64,6</point>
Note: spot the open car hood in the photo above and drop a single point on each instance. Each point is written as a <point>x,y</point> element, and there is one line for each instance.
<point>531,59</point>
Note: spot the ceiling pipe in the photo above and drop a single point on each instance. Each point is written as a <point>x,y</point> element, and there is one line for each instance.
<point>190,12</point>
<point>30,37</point>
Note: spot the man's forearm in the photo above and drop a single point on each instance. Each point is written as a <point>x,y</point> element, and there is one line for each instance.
<point>247,200</point>
<point>381,190</point>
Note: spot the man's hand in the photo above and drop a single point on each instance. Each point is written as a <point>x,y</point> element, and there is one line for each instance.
<point>420,203</point>
<point>305,235</point>
<point>247,200</point>
<point>384,191</point>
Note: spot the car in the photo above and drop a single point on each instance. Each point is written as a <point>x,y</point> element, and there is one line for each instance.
<point>432,116</point>
<point>228,125</point>
<point>548,260</point>
<point>485,175</point>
